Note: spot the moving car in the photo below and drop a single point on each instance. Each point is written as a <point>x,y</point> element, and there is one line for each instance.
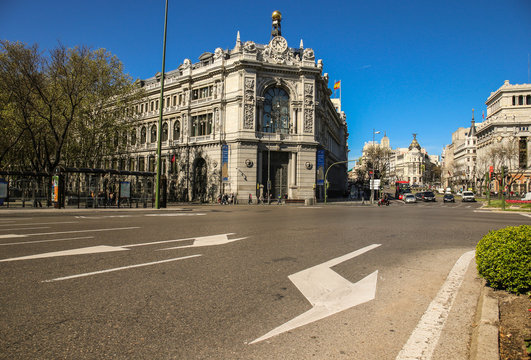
<point>419,196</point>
<point>428,196</point>
<point>448,198</point>
<point>409,198</point>
<point>468,196</point>
<point>526,197</point>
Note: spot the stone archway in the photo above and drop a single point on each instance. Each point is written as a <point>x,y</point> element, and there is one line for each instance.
<point>199,187</point>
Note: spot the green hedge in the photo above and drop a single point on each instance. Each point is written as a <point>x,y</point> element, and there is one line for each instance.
<point>503,258</point>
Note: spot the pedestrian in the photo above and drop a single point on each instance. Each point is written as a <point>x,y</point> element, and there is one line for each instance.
<point>250,201</point>
<point>261,199</point>
<point>279,200</point>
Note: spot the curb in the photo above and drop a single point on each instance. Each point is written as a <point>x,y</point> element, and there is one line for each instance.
<point>484,345</point>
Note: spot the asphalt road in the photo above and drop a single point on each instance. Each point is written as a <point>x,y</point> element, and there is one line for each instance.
<point>133,295</point>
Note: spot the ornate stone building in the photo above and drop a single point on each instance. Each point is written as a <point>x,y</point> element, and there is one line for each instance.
<point>238,118</point>
<point>410,164</point>
<point>503,138</point>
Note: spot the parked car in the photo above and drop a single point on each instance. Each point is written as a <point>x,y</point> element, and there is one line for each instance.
<point>409,198</point>
<point>419,196</point>
<point>448,198</point>
<point>428,196</point>
<point>468,196</point>
<point>527,197</point>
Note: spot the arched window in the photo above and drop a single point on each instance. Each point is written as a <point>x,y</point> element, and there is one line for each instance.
<point>124,138</point>
<point>177,130</point>
<point>133,137</point>
<point>143,135</point>
<point>276,111</point>
<point>153,133</point>
<point>165,131</point>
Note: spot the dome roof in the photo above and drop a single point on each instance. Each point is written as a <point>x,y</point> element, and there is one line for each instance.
<point>414,144</point>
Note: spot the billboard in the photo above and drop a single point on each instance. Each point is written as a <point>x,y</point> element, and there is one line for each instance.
<point>320,166</point>
<point>225,162</point>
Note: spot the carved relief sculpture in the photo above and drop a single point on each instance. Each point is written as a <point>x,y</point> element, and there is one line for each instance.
<point>248,116</point>
<point>308,108</point>
<point>249,47</point>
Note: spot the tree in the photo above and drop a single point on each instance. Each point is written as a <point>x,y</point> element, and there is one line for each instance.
<point>504,154</point>
<point>62,107</point>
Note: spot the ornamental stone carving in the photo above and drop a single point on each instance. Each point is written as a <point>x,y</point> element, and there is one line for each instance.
<point>308,55</point>
<point>277,52</point>
<point>186,64</point>
<point>249,47</point>
<point>248,116</point>
<point>218,53</point>
<point>308,120</point>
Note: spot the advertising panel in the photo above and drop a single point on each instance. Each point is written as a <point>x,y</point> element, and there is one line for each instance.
<point>320,167</point>
<point>225,163</point>
<point>125,189</point>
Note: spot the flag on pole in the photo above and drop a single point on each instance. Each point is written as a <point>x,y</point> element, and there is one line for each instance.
<point>173,158</point>
<point>337,85</point>
<point>483,114</point>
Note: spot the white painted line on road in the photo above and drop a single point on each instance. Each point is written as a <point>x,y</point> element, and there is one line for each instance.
<point>328,292</point>
<point>103,217</point>
<point>8,236</point>
<point>67,232</point>
<point>208,241</point>
<point>43,241</point>
<point>33,228</point>
<point>177,214</point>
<point>120,268</point>
<point>15,219</point>
<point>528,215</point>
<point>423,340</point>
<point>168,241</point>
<point>46,223</point>
<point>80,251</point>
<point>309,207</point>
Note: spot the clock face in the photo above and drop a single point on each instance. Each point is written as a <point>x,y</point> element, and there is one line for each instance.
<point>278,44</point>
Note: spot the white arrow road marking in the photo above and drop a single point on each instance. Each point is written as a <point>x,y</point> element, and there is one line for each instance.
<point>81,251</point>
<point>120,268</point>
<point>65,232</point>
<point>424,338</point>
<point>102,217</point>
<point>212,240</point>
<point>198,241</point>
<point>328,292</point>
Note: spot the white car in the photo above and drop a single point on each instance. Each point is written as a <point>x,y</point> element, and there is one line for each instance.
<point>409,198</point>
<point>527,197</point>
<point>468,196</point>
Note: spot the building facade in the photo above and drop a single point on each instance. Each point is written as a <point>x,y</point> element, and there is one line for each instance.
<point>410,164</point>
<point>250,120</point>
<point>503,138</point>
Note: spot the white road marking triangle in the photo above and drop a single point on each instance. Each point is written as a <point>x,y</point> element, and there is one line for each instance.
<point>81,251</point>
<point>328,292</point>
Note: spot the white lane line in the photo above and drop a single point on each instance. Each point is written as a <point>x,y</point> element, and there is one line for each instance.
<point>66,232</point>
<point>33,228</point>
<point>528,215</point>
<point>46,223</point>
<point>120,268</point>
<point>424,338</point>
<point>43,241</point>
<point>81,251</point>
<point>309,207</point>
<point>16,219</point>
<point>177,214</point>
<point>328,292</point>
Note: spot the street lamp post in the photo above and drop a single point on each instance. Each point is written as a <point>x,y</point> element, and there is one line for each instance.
<point>268,127</point>
<point>161,107</point>
<point>371,178</point>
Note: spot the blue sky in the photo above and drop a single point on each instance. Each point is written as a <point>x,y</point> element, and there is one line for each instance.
<point>409,66</point>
